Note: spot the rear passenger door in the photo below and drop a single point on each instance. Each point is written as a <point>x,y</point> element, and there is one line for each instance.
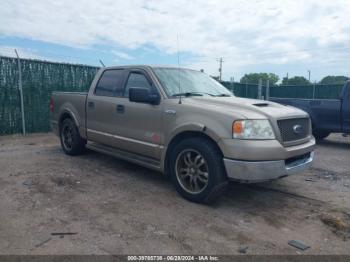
<point>101,106</point>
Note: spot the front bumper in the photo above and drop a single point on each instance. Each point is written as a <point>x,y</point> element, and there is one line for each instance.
<point>258,171</point>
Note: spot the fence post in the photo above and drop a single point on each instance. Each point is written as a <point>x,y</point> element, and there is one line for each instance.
<point>20,86</point>
<point>267,89</point>
<point>260,88</point>
<point>246,88</point>
<point>313,90</point>
<point>232,85</point>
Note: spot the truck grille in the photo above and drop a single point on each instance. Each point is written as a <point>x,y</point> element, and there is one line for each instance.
<point>294,129</point>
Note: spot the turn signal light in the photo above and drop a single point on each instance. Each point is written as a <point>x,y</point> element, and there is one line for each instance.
<point>237,127</point>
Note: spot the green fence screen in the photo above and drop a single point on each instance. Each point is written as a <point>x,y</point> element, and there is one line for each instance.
<point>40,78</point>
<point>309,91</point>
<point>286,91</point>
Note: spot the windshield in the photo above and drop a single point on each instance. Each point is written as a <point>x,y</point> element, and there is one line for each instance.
<point>191,82</point>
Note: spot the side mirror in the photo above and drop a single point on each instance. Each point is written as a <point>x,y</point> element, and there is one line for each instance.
<point>143,95</point>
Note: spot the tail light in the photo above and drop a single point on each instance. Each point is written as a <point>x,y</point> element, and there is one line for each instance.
<point>51,105</point>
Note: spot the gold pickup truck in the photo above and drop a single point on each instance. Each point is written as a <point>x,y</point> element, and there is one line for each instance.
<point>186,125</point>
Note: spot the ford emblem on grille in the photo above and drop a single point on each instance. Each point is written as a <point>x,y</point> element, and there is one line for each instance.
<point>297,129</point>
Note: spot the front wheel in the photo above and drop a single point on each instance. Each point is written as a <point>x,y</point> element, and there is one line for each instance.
<point>197,170</point>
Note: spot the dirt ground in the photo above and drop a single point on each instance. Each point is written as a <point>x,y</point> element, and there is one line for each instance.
<point>119,208</point>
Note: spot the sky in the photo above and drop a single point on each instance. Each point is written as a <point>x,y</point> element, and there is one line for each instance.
<point>285,36</point>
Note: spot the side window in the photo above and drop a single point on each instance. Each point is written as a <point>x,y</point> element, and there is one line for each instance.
<point>110,83</point>
<point>136,80</point>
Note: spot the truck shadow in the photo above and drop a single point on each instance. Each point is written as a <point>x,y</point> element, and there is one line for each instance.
<point>344,144</point>
<point>240,205</point>
<point>245,197</point>
<point>124,167</point>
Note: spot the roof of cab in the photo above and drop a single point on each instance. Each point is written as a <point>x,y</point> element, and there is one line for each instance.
<point>146,66</point>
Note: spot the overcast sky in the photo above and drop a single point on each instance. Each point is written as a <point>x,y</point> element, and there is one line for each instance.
<point>251,36</point>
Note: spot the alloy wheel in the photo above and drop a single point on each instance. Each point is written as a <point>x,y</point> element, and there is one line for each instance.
<point>192,171</point>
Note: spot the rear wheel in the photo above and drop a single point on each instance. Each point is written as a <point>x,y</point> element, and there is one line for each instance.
<point>197,170</point>
<point>71,141</point>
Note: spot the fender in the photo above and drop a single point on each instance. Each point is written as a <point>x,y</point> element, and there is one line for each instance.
<point>186,127</point>
<point>194,126</point>
<point>71,114</point>
<point>76,119</point>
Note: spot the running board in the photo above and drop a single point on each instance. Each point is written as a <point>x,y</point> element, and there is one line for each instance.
<point>124,155</point>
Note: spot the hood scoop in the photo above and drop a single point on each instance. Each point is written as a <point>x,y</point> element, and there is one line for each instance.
<point>261,104</point>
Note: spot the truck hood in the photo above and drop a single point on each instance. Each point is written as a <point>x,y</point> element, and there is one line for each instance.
<point>249,108</point>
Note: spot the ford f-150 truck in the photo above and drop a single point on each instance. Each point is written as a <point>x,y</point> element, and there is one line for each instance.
<point>327,115</point>
<point>186,125</point>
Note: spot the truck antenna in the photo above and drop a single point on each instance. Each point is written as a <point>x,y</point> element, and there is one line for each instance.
<point>103,65</point>
<point>178,67</point>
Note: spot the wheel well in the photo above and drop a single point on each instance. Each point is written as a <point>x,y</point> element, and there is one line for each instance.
<point>185,135</point>
<point>64,116</point>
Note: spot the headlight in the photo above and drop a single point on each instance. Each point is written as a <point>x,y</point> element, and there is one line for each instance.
<point>252,129</point>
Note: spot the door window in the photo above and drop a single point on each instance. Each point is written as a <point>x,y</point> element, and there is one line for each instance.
<point>110,83</point>
<point>136,80</point>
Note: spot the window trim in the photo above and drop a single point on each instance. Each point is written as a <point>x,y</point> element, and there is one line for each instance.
<point>121,81</point>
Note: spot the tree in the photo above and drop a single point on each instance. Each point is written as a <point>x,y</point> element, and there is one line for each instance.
<point>253,78</point>
<point>334,80</point>
<point>296,80</point>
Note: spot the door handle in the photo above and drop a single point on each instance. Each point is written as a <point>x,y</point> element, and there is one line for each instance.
<point>120,109</point>
<point>91,104</point>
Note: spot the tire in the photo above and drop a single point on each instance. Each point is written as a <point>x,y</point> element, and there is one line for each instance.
<point>71,141</point>
<point>197,170</point>
<point>320,134</point>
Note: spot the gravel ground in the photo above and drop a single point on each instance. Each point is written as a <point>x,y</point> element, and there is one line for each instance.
<point>119,208</point>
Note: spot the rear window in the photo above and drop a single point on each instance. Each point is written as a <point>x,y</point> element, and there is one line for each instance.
<point>110,83</point>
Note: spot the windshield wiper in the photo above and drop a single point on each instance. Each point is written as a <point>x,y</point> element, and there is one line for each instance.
<point>186,94</point>
<point>222,95</point>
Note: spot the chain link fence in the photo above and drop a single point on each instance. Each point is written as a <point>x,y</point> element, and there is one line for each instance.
<point>40,78</point>
<point>285,91</point>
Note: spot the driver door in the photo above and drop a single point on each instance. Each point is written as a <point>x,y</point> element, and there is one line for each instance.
<point>138,125</point>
